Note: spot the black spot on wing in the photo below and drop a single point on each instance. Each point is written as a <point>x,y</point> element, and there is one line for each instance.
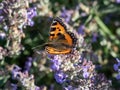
<point>57,19</point>
<point>53,29</point>
<point>52,34</point>
<point>59,34</point>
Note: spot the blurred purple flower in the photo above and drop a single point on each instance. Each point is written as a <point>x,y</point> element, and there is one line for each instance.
<point>118,77</point>
<point>76,74</point>
<point>66,14</point>
<point>55,64</point>
<point>117,68</point>
<point>1,18</point>
<point>85,74</point>
<point>5,28</point>
<point>16,68</point>
<point>68,88</point>
<point>81,29</point>
<point>85,71</point>
<point>52,86</point>
<point>28,64</point>
<point>60,77</point>
<point>2,35</point>
<point>55,67</point>
<point>83,14</point>
<point>15,71</point>
<point>37,88</point>
<point>30,22</point>
<point>13,86</point>
<point>94,37</point>
<point>31,12</point>
<point>118,1</point>
<point>2,14</point>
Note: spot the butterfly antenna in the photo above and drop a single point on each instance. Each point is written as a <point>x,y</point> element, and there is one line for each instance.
<point>37,47</point>
<point>40,36</point>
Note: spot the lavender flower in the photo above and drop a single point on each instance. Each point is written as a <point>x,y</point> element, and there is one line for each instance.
<point>1,18</point>
<point>14,16</point>
<point>24,79</point>
<point>14,86</point>
<point>60,77</point>
<point>118,1</point>
<point>55,64</point>
<point>2,35</point>
<point>28,64</point>
<point>118,76</point>
<point>31,12</point>
<point>15,71</point>
<point>117,68</point>
<point>66,14</point>
<point>94,37</point>
<point>68,88</point>
<point>81,29</point>
<point>75,73</point>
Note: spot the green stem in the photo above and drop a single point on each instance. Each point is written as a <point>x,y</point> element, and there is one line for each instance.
<point>102,25</point>
<point>105,29</point>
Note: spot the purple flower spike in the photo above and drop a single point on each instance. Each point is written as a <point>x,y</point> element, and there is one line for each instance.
<point>85,74</point>
<point>118,77</point>
<point>81,29</point>
<point>30,14</point>
<point>55,64</point>
<point>13,86</point>
<point>1,18</point>
<point>55,67</point>
<point>60,77</point>
<point>68,88</point>
<point>28,64</point>
<point>94,37</point>
<point>66,14</point>
<point>116,66</point>
<point>2,35</point>
<point>15,71</point>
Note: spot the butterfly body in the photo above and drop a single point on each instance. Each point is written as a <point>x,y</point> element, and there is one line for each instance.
<point>60,40</point>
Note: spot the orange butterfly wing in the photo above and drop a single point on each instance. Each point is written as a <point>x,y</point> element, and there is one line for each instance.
<point>60,41</point>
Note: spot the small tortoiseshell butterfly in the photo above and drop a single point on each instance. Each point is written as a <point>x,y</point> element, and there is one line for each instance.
<point>60,41</point>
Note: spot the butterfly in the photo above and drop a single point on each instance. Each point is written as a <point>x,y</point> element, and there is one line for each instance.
<point>60,40</point>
